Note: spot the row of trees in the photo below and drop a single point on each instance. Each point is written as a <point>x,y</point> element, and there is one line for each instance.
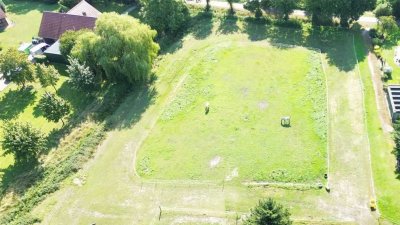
<point>320,11</point>
<point>21,139</point>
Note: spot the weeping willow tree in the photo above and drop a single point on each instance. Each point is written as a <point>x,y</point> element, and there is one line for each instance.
<point>121,48</point>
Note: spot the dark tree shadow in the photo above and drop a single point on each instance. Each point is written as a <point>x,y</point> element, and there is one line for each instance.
<point>337,44</point>
<point>18,178</point>
<point>15,101</point>
<point>255,28</point>
<point>228,24</point>
<point>24,7</point>
<point>78,99</point>
<point>202,25</point>
<point>132,109</point>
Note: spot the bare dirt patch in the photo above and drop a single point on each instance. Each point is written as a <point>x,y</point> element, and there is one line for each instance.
<point>263,105</point>
<point>215,161</point>
<point>233,174</point>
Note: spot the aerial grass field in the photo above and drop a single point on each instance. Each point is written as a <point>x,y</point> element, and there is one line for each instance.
<point>249,87</point>
<point>112,193</point>
<point>193,165</point>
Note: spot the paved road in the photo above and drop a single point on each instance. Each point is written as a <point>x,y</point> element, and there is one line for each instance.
<point>296,13</point>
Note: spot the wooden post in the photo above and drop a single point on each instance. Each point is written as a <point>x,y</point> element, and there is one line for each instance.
<point>159,216</point>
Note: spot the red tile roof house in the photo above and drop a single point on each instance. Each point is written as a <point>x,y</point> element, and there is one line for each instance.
<point>53,25</point>
<point>3,19</point>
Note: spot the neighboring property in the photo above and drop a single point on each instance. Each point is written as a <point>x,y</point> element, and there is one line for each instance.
<point>53,25</point>
<point>394,101</point>
<point>3,18</point>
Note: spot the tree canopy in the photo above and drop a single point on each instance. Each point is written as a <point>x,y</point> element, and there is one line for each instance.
<point>54,108</point>
<point>47,75</point>
<point>322,11</point>
<point>23,141</point>
<point>68,40</point>
<point>81,77</point>
<point>121,47</point>
<point>15,67</point>
<point>166,16</point>
<point>269,212</point>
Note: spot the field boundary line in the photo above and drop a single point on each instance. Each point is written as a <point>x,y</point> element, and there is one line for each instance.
<point>170,98</point>
<point>328,123</point>
<point>372,184</point>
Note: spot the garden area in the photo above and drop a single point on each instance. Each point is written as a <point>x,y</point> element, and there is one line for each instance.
<point>241,137</point>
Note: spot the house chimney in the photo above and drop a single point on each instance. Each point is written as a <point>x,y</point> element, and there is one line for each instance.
<point>84,13</point>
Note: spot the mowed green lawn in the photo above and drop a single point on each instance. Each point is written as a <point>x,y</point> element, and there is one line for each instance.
<point>249,87</point>
<point>25,17</point>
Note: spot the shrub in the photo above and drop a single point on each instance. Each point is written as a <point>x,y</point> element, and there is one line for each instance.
<point>23,141</point>
<point>54,108</point>
<point>268,212</point>
<point>383,9</point>
<point>291,23</point>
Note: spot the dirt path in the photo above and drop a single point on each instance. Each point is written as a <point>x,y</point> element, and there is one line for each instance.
<point>380,96</point>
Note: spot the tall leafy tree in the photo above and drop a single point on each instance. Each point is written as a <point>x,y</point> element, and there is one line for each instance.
<point>285,7</point>
<point>54,108</point>
<point>269,212</point>
<point>322,11</point>
<point>68,40</point>
<point>125,49</point>
<point>208,6</point>
<point>351,10</point>
<point>85,51</point>
<point>388,26</point>
<point>16,68</point>
<point>167,17</point>
<point>47,75</point>
<point>254,6</point>
<point>23,141</point>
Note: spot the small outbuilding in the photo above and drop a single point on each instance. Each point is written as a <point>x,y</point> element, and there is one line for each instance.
<point>393,96</point>
<point>3,19</point>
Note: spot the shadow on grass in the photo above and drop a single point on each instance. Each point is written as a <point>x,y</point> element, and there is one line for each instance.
<point>132,109</point>
<point>24,7</point>
<point>18,178</point>
<point>15,101</point>
<point>202,25</point>
<point>337,44</point>
<point>228,24</point>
